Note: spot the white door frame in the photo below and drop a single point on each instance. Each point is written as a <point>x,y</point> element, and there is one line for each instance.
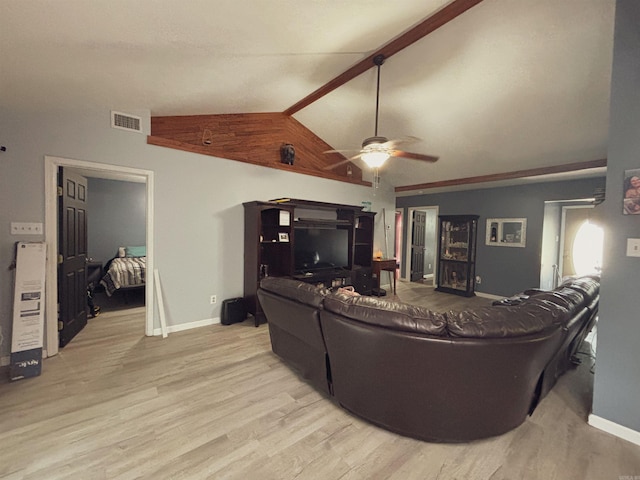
<point>407,257</point>
<point>399,238</point>
<point>97,170</point>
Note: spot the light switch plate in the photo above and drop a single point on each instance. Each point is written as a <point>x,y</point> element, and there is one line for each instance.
<point>22,228</point>
<point>633,247</point>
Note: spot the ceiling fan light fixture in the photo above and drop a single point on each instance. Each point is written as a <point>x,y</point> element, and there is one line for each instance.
<point>375,158</point>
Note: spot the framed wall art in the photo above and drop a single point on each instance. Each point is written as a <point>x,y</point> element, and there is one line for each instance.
<point>506,232</point>
<point>631,192</point>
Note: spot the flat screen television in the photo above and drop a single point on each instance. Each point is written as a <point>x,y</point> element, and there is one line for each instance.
<point>317,249</point>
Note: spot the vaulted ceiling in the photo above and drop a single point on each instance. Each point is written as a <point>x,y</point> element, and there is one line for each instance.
<point>508,85</point>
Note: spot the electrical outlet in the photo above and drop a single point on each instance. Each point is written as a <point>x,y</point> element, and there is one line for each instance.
<point>213,299</point>
<point>478,279</point>
<point>633,247</point>
<point>22,228</point>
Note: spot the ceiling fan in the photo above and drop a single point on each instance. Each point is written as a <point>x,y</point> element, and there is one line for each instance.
<point>377,149</point>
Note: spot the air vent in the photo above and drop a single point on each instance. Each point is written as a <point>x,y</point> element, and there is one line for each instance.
<point>125,121</point>
<point>599,195</point>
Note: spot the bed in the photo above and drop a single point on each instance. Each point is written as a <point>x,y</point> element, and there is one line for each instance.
<point>126,270</point>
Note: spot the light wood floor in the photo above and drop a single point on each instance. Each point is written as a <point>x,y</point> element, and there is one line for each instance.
<point>214,402</point>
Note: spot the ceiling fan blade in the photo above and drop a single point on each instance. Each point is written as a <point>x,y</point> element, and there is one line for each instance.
<point>395,142</point>
<point>413,156</point>
<point>348,150</point>
<point>334,165</point>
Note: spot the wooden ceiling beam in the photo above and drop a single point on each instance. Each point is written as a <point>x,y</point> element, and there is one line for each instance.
<point>435,21</point>
<point>496,177</point>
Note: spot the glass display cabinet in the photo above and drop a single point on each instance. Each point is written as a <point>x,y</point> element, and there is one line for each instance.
<point>457,254</point>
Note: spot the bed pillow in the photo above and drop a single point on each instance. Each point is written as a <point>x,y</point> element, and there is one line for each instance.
<point>121,252</point>
<point>140,251</point>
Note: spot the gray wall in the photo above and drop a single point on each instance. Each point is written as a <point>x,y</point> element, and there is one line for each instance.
<point>198,221</point>
<point>507,270</point>
<point>116,216</point>
<point>617,379</point>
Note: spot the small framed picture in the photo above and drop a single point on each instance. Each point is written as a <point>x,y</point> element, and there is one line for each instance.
<point>631,200</point>
<point>506,232</point>
<point>283,237</point>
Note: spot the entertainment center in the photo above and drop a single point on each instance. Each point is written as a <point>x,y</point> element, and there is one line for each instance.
<point>315,242</point>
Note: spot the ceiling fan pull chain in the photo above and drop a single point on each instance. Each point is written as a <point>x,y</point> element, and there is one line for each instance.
<point>376,179</point>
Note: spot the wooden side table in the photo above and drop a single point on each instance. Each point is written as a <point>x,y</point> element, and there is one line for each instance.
<point>388,265</point>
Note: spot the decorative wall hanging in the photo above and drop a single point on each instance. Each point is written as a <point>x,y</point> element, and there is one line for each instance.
<point>506,232</point>
<point>287,153</point>
<point>631,199</point>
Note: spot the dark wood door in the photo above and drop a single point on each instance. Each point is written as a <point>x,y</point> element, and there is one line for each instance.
<point>418,244</point>
<point>72,259</point>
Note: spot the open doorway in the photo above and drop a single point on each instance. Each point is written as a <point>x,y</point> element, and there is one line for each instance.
<point>421,244</point>
<point>116,244</point>
<point>572,242</point>
<point>581,242</point>
<point>96,170</point>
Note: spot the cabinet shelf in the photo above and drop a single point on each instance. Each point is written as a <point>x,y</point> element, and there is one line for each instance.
<point>320,222</point>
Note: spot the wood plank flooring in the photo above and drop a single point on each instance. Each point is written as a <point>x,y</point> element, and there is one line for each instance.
<point>214,402</point>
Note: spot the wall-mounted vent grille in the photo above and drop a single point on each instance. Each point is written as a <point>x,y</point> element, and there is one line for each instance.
<point>125,121</point>
<point>599,195</point>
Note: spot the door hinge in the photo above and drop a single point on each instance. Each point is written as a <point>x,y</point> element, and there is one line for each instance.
<point>59,191</point>
<point>60,325</point>
<point>60,259</point>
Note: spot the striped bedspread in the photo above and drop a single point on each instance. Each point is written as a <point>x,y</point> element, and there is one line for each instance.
<point>124,272</point>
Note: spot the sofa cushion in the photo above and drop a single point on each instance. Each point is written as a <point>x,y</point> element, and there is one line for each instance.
<point>503,321</point>
<point>589,286</point>
<point>570,299</point>
<point>295,290</point>
<point>387,314</point>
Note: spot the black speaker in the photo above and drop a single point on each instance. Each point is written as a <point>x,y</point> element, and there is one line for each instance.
<point>362,281</point>
<point>234,310</point>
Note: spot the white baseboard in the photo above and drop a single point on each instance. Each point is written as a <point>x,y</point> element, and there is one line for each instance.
<point>614,429</point>
<point>187,326</point>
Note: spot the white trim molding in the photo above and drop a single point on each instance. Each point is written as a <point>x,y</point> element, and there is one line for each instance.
<point>188,326</point>
<point>489,295</point>
<point>613,428</point>
<point>407,241</point>
<point>97,170</point>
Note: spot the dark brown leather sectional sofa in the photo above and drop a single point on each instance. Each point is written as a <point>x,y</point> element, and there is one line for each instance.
<point>445,377</point>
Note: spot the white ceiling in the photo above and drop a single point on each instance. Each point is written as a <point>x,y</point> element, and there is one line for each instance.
<point>508,85</point>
